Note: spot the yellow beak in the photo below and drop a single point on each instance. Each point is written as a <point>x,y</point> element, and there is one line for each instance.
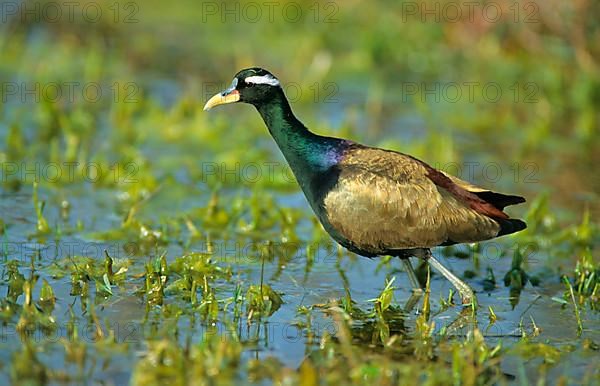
<point>221,99</point>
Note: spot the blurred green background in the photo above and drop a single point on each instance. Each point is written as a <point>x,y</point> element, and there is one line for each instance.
<point>354,69</point>
<point>503,93</point>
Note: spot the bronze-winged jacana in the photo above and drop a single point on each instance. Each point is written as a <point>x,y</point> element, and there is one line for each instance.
<point>374,201</point>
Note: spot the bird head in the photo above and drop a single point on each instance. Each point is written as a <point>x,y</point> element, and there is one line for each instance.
<point>252,85</point>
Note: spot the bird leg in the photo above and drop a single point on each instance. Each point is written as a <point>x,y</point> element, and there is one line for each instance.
<point>417,290</point>
<point>465,291</point>
<point>412,277</point>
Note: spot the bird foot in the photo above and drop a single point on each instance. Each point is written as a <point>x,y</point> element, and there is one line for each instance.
<point>468,297</point>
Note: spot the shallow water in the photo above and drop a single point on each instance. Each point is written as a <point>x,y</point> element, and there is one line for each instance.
<point>280,335</point>
<point>175,148</point>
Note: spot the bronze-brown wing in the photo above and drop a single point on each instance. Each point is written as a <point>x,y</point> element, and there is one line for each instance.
<point>385,200</point>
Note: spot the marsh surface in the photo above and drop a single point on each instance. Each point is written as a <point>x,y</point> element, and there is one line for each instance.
<point>144,240</point>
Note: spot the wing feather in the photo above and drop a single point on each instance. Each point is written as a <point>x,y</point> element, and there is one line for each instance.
<point>386,200</point>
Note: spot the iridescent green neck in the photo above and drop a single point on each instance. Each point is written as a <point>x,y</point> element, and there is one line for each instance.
<point>301,148</point>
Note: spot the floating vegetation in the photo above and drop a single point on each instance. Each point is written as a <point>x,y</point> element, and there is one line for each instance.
<point>145,242</point>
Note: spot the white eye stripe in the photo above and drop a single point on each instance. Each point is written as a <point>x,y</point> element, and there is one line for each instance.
<point>265,79</point>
